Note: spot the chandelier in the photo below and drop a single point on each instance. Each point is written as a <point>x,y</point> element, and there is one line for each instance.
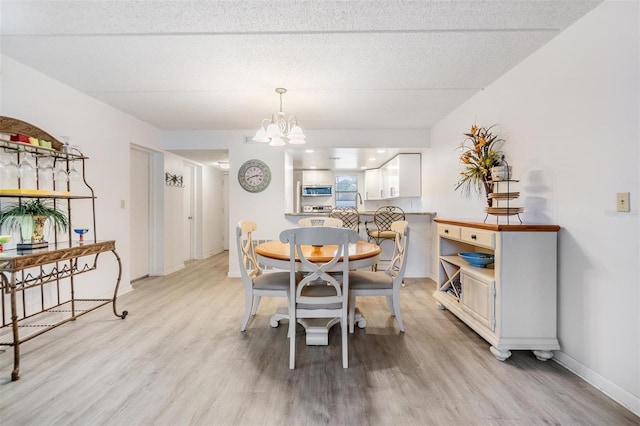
<point>274,130</point>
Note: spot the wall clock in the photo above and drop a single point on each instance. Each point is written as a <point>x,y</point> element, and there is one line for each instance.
<point>254,176</point>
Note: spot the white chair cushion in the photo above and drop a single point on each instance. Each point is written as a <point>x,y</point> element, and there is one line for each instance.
<point>369,280</point>
<point>272,281</point>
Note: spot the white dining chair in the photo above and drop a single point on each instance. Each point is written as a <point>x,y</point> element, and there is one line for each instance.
<point>256,283</point>
<point>318,294</point>
<point>383,283</point>
<point>332,222</point>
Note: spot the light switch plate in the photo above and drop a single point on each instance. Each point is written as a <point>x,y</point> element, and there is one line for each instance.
<point>622,203</point>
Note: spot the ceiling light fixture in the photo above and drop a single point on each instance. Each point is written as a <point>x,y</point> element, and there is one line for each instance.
<point>280,126</point>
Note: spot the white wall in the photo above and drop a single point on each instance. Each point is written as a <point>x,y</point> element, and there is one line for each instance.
<point>569,113</point>
<point>103,134</point>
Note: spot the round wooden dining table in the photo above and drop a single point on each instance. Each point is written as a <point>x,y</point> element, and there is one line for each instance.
<point>277,255</point>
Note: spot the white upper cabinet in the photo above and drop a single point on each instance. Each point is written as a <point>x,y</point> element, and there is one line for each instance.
<point>317,177</point>
<point>399,177</point>
<point>372,184</point>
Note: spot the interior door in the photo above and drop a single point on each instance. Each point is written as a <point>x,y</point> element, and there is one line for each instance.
<point>140,167</point>
<point>189,207</point>
<point>225,211</point>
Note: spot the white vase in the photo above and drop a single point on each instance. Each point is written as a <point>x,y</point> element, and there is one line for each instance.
<point>26,229</point>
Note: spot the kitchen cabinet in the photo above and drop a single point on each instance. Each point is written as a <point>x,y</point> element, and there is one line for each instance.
<point>372,185</point>
<point>389,175</point>
<point>399,177</point>
<point>39,288</point>
<point>512,303</point>
<point>317,177</point>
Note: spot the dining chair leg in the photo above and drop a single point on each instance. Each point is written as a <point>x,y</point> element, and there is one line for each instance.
<point>293,320</point>
<point>292,344</point>
<point>345,350</point>
<point>256,302</point>
<point>396,310</point>
<point>352,312</point>
<point>390,304</point>
<point>248,302</point>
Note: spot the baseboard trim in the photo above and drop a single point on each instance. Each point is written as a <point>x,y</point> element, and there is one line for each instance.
<point>604,385</point>
<point>174,269</point>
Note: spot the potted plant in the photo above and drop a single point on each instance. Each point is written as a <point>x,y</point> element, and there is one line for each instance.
<point>29,218</point>
<point>480,152</point>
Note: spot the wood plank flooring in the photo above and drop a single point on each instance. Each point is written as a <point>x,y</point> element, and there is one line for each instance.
<point>180,359</point>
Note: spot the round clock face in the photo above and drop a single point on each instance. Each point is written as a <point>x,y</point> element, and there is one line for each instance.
<point>254,175</point>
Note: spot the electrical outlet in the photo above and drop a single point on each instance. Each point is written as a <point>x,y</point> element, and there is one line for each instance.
<point>622,203</point>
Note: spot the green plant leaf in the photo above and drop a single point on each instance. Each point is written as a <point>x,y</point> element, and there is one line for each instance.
<point>12,214</point>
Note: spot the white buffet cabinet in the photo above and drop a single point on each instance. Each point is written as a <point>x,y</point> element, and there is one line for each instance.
<point>512,303</point>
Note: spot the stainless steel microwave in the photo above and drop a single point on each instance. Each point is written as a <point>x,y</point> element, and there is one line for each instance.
<point>317,190</point>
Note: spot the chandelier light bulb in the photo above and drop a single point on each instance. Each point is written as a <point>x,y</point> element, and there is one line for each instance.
<point>261,136</point>
<point>296,132</point>
<point>277,142</point>
<point>273,131</point>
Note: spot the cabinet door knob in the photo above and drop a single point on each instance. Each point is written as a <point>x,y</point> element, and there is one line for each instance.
<point>473,236</point>
<point>446,231</point>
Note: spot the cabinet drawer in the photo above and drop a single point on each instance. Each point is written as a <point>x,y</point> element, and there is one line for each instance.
<point>478,237</point>
<point>449,231</point>
<point>478,299</point>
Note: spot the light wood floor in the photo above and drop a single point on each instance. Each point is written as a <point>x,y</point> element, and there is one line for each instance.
<point>180,359</point>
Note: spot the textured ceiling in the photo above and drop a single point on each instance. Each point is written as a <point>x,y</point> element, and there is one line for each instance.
<point>215,64</point>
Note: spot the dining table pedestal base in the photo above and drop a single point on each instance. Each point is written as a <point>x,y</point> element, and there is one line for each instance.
<point>316,329</point>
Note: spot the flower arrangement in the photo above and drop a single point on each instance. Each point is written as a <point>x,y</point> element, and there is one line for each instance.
<point>480,152</point>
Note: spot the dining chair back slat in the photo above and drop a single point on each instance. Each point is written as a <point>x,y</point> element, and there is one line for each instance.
<point>319,292</point>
